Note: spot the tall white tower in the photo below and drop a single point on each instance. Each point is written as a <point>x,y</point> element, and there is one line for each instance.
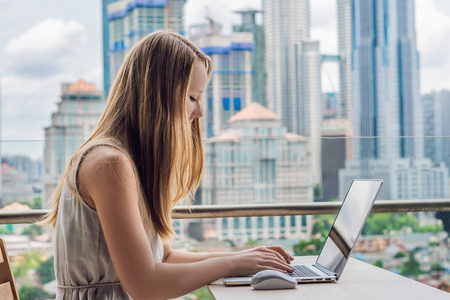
<point>293,72</point>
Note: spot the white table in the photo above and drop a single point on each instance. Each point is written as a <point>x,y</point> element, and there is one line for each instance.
<point>359,281</point>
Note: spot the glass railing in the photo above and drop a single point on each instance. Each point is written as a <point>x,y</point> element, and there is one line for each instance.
<point>273,188</point>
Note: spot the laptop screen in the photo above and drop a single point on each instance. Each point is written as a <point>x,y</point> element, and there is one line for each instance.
<point>348,224</point>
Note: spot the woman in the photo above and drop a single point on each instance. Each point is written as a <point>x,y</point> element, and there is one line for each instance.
<point>112,208</point>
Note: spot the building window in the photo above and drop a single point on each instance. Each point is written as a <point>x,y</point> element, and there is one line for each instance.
<point>293,221</point>
<point>282,222</point>
<point>260,222</point>
<point>236,223</point>
<point>271,222</point>
<point>224,224</point>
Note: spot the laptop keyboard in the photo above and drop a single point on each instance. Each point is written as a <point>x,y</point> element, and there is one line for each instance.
<point>303,271</point>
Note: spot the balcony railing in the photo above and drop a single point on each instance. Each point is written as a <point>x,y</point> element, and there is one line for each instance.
<point>257,210</point>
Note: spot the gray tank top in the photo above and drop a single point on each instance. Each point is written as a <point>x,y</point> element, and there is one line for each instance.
<point>83,265</point>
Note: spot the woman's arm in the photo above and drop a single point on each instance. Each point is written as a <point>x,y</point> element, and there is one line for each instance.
<point>178,256</point>
<point>106,176</point>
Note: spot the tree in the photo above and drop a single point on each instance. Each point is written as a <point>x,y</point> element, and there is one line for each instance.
<point>46,271</point>
<point>318,193</point>
<point>437,267</point>
<point>231,242</point>
<point>252,243</point>
<point>322,224</point>
<point>378,263</point>
<point>411,268</point>
<point>29,292</point>
<point>31,261</point>
<point>311,247</point>
<point>202,294</point>
<point>32,230</point>
<point>400,254</point>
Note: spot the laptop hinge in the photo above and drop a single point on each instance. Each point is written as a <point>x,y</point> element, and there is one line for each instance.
<point>325,270</point>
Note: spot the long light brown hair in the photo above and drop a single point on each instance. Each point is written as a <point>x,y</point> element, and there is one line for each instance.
<point>146,116</point>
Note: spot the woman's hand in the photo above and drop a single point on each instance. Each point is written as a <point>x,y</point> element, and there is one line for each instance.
<point>277,250</point>
<point>257,259</point>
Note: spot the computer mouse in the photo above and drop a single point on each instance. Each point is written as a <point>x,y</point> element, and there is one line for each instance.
<point>272,280</point>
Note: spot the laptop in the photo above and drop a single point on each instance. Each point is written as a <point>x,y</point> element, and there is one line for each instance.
<point>341,239</point>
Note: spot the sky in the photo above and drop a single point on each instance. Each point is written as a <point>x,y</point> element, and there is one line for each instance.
<point>44,43</point>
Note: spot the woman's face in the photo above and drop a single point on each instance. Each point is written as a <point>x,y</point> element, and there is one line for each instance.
<point>199,79</point>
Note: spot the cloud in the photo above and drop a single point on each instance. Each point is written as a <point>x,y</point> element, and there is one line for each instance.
<point>433,29</point>
<point>43,50</point>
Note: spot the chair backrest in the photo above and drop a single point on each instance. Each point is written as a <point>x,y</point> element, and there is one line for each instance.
<point>7,285</point>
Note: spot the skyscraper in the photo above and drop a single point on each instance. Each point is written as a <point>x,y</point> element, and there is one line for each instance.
<point>293,72</point>
<point>386,111</point>
<point>385,78</point>
<point>286,24</point>
<point>436,124</point>
<point>345,54</point>
<point>128,22</point>
<point>258,54</point>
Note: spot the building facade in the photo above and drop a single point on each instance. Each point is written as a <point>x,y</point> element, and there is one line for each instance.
<point>129,21</point>
<point>230,87</point>
<point>78,113</point>
<point>385,79</point>
<point>293,66</point>
<point>436,126</point>
<point>404,178</point>
<point>258,54</point>
<point>345,20</point>
<point>257,161</point>
<point>336,150</point>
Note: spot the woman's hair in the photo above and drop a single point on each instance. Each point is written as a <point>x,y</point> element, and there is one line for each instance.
<point>146,116</point>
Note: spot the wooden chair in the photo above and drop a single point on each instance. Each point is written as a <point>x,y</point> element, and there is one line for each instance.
<point>8,289</point>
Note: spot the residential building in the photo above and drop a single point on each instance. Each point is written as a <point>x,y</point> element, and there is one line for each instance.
<point>257,161</point>
<point>78,113</point>
<point>258,53</point>
<point>129,21</point>
<point>230,87</point>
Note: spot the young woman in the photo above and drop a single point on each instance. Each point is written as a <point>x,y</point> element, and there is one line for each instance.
<point>112,207</point>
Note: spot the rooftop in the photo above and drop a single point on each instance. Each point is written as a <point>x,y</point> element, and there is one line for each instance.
<point>254,111</point>
<point>80,87</point>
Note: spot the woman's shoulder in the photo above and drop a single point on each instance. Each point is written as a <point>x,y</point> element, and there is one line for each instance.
<point>104,167</point>
<point>104,158</point>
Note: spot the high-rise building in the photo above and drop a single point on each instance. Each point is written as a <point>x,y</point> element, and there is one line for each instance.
<point>293,71</point>
<point>78,113</point>
<point>386,108</point>
<point>230,87</point>
<point>105,28</point>
<point>128,22</point>
<point>257,161</point>
<point>258,54</point>
<point>345,40</point>
<point>436,126</point>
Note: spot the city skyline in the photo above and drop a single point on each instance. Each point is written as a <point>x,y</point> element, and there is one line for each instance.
<point>32,81</point>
